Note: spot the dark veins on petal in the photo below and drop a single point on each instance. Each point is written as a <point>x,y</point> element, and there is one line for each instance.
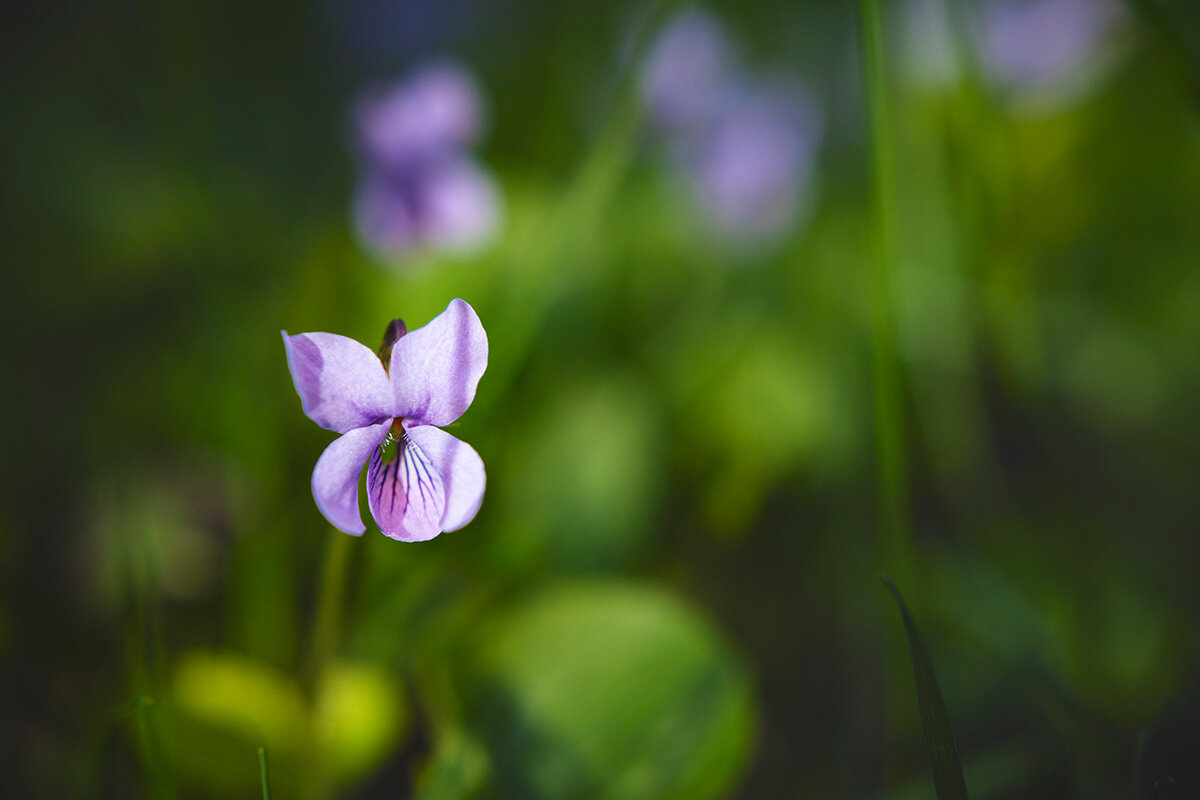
<point>397,468</point>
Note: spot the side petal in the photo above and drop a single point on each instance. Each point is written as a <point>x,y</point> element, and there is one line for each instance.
<point>341,383</point>
<point>435,369</point>
<point>405,494</point>
<point>335,479</point>
<point>461,469</point>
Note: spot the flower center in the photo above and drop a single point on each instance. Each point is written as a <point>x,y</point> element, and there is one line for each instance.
<point>393,445</point>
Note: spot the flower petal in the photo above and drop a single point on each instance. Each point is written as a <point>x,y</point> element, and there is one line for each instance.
<point>335,479</point>
<point>341,383</point>
<point>405,494</point>
<point>435,369</point>
<point>461,470</point>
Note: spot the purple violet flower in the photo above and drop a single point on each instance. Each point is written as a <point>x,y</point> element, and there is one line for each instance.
<point>686,71</point>
<point>1041,55</point>
<point>746,144</point>
<point>420,186</point>
<point>434,111</point>
<point>752,172</point>
<point>1033,44</point>
<point>390,408</point>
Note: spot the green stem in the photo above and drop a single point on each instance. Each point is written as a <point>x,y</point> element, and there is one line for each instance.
<point>895,548</point>
<point>262,772</point>
<point>328,617</point>
<point>895,534</point>
<point>326,625</point>
<point>147,661</point>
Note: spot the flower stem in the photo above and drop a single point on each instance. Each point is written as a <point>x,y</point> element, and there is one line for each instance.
<point>328,617</point>
<point>147,663</point>
<point>895,534</point>
<point>326,625</point>
<point>894,550</point>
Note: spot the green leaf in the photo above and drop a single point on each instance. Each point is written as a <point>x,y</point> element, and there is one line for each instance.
<point>943,755</point>
<point>361,715</point>
<point>228,704</point>
<point>589,500</point>
<point>458,769</point>
<point>611,691</point>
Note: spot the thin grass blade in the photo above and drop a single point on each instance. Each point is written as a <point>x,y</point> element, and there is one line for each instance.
<point>262,773</point>
<point>948,778</point>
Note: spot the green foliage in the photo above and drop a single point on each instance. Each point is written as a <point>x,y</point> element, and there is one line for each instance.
<point>225,704</point>
<point>611,690</point>
<point>587,493</point>
<point>457,769</point>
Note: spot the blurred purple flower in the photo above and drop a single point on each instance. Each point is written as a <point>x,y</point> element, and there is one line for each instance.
<point>746,145</point>
<point>435,110</point>
<point>1042,54</point>
<point>419,184</point>
<point>421,481</point>
<point>752,170</point>
<point>687,71</point>
<point>1031,44</point>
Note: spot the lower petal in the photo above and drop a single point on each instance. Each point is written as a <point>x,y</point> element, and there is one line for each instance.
<point>461,469</point>
<point>406,494</point>
<point>335,478</point>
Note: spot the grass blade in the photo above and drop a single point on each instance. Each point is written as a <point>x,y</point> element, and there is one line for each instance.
<point>262,772</point>
<point>948,778</point>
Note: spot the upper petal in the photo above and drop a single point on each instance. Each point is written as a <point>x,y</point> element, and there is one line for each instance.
<point>341,383</point>
<point>405,494</point>
<point>461,470</point>
<point>335,479</point>
<point>435,369</point>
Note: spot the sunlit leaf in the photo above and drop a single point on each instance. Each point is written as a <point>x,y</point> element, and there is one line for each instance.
<point>360,716</point>
<point>228,705</point>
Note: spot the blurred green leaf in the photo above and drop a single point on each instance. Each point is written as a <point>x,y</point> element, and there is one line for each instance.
<point>587,485</point>
<point>228,704</point>
<point>457,770</point>
<point>943,755</point>
<point>612,690</point>
<point>361,715</point>
<point>729,382</point>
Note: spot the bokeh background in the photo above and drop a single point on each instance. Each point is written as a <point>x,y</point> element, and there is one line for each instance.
<point>672,588</point>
